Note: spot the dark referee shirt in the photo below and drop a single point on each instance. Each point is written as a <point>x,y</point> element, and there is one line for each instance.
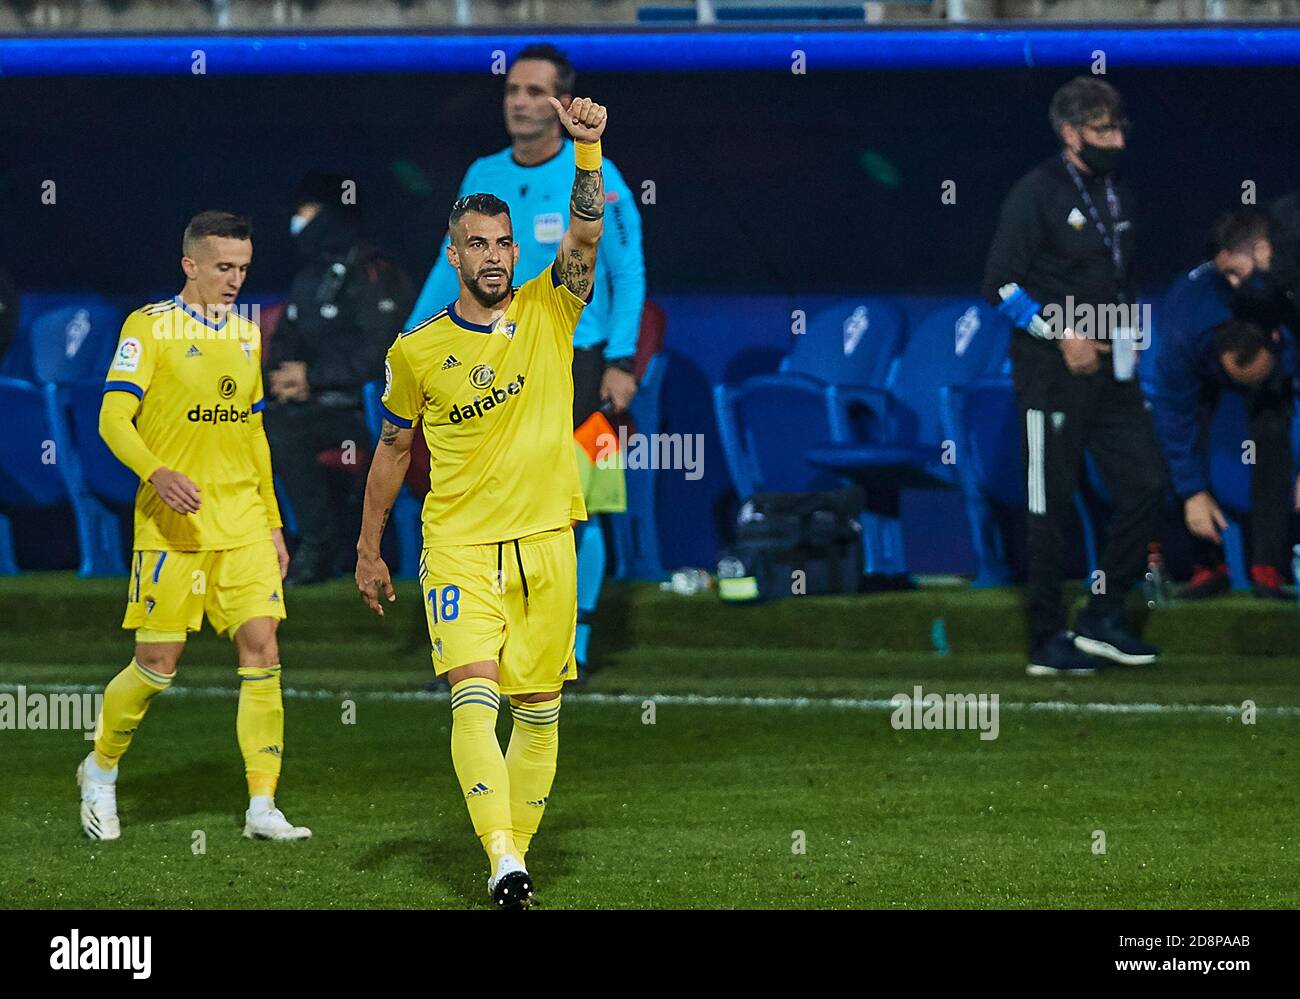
<point>1048,243</point>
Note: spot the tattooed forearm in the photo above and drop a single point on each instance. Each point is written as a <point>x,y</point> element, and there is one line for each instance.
<point>388,434</point>
<point>588,199</point>
<point>575,272</point>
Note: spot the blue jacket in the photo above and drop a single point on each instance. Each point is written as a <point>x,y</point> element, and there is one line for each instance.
<point>1188,374</point>
<point>538,197</point>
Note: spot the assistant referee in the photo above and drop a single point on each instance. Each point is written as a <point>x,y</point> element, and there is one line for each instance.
<point>1063,252</point>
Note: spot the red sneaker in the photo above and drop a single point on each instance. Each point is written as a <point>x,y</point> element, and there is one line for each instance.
<point>1206,582</point>
<point>1266,581</point>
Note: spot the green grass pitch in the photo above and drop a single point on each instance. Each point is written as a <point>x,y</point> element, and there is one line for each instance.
<point>708,806</point>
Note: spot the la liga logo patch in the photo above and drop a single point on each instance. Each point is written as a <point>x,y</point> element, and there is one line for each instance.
<point>128,355</point>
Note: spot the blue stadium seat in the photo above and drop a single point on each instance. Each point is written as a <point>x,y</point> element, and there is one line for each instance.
<point>980,418</point>
<point>406,509</point>
<point>75,343</point>
<point>850,343</point>
<point>894,438</point>
<point>96,481</point>
<point>29,461</point>
<point>18,361</point>
<point>765,425</point>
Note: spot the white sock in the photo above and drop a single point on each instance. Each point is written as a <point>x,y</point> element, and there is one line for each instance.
<point>95,773</point>
<point>260,804</point>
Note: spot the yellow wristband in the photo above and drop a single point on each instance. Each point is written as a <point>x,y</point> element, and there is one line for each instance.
<point>587,155</point>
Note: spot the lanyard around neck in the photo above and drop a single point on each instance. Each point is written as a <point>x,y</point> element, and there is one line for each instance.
<point>1109,237</point>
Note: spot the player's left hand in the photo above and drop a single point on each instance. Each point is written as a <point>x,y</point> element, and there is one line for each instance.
<point>281,552</point>
<point>584,119</point>
<point>618,387</point>
<point>374,581</point>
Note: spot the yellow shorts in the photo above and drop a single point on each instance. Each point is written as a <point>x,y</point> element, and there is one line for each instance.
<point>170,591</point>
<point>473,618</point>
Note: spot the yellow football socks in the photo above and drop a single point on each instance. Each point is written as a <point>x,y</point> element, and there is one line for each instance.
<point>126,699</point>
<point>260,726</point>
<point>480,767</point>
<point>530,761</point>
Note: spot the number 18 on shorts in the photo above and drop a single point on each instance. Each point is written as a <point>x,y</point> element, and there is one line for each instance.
<point>514,603</point>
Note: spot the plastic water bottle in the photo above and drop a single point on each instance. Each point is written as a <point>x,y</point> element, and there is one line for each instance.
<point>687,582</point>
<point>1156,582</point>
<point>1295,570</point>
<point>730,567</point>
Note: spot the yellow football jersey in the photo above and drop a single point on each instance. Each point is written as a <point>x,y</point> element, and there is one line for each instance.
<point>200,387</point>
<point>496,406</point>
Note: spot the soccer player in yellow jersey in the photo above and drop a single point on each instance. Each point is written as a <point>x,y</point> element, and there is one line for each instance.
<point>183,410</point>
<point>489,381</point>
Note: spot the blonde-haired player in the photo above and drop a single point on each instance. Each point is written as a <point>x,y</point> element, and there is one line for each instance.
<point>489,380</point>
<point>183,410</point>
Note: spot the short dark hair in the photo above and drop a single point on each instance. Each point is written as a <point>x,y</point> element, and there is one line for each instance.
<point>1243,340</point>
<point>1237,230</point>
<point>482,204</point>
<point>1084,99</point>
<point>227,225</point>
<point>546,52</point>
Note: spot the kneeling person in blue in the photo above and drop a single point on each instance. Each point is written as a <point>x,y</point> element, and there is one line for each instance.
<point>1208,346</point>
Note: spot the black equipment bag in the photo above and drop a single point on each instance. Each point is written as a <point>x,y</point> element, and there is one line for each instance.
<point>790,544</point>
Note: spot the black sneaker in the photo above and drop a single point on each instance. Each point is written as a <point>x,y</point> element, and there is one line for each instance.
<point>1106,637</point>
<point>1059,656</point>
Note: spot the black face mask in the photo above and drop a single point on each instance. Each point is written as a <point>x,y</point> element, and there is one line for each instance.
<point>1100,159</point>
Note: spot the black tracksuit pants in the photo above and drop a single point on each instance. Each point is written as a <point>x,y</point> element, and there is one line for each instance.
<point>297,433</point>
<point>1062,415</point>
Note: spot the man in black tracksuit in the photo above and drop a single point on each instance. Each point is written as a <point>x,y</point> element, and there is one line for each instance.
<point>1061,264</point>
<point>345,308</point>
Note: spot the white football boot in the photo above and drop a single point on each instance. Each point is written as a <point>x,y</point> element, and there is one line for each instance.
<point>512,886</point>
<point>271,824</point>
<point>98,803</point>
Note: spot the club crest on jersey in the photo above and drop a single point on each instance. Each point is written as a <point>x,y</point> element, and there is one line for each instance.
<point>1075,219</point>
<point>481,376</point>
<point>507,326</point>
<point>247,347</point>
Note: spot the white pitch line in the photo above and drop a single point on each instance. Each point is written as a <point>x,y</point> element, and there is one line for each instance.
<point>703,700</point>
